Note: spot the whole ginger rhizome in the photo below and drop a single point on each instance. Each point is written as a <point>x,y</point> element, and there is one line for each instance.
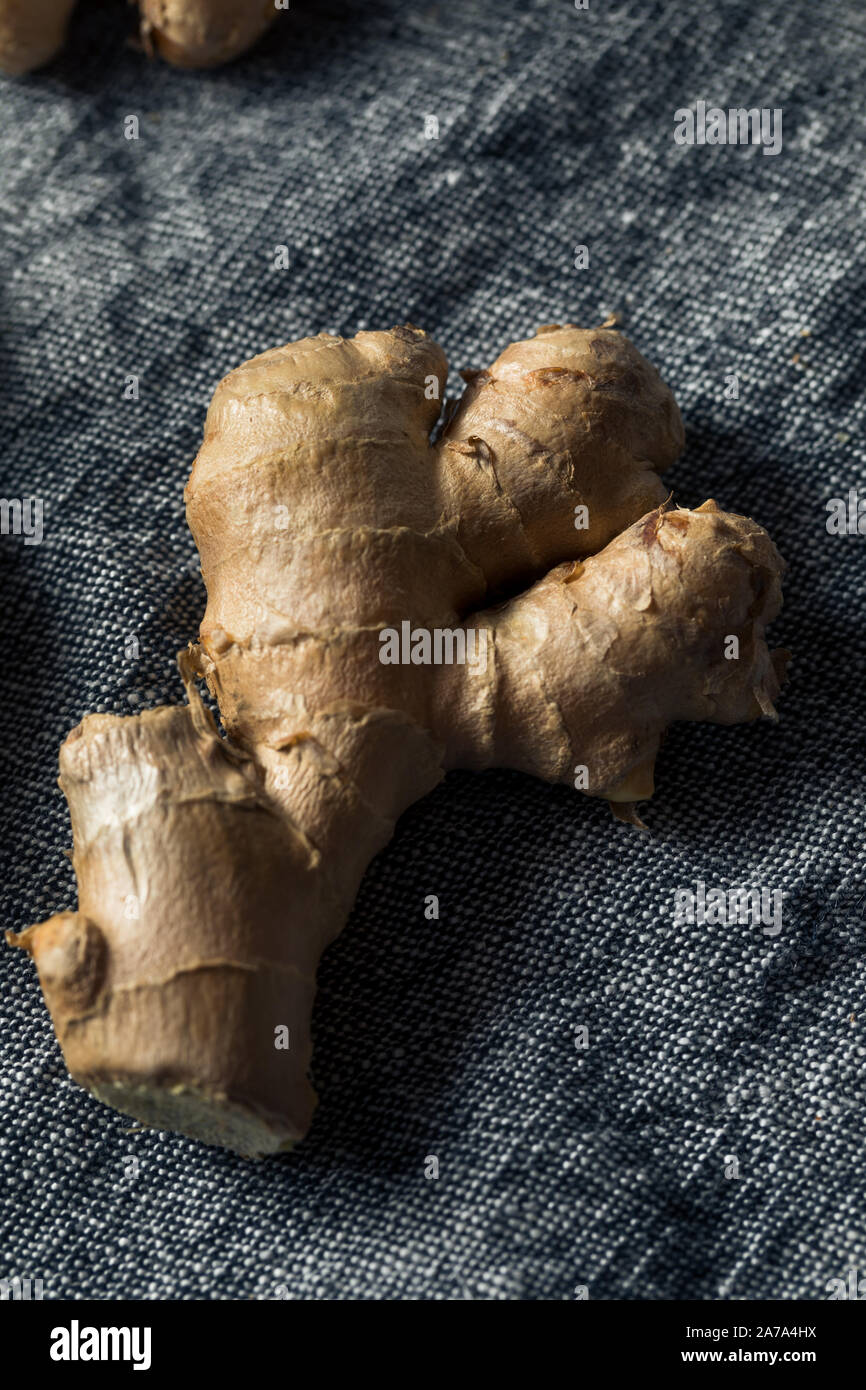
<point>213,872</point>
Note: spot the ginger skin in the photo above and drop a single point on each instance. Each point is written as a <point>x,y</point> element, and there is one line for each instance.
<point>31,33</point>
<point>213,872</point>
<point>187,33</point>
<point>203,33</point>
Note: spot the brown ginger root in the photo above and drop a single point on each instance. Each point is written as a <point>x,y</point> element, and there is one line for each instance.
<point>187,33</point>
<point>31,33</point>
<point>212,873</point>
<point>204,33</point>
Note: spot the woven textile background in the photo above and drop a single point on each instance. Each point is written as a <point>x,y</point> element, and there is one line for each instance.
<point>711,1049</point>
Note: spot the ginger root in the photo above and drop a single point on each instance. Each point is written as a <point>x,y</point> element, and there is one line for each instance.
<point>203,33</point>
<point>31,33</point>
<point>213,871</point>
<point>187,33</point>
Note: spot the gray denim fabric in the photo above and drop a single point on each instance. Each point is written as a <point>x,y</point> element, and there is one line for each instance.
<point>711,1049</point>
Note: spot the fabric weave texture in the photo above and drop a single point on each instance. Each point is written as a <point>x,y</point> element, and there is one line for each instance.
<point>708,1142</point>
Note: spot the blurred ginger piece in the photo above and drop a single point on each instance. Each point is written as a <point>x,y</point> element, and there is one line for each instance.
<point>187,33</point>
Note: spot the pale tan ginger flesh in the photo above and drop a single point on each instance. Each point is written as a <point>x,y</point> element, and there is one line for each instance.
<point>213,873</point>
<point>187,33</point>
